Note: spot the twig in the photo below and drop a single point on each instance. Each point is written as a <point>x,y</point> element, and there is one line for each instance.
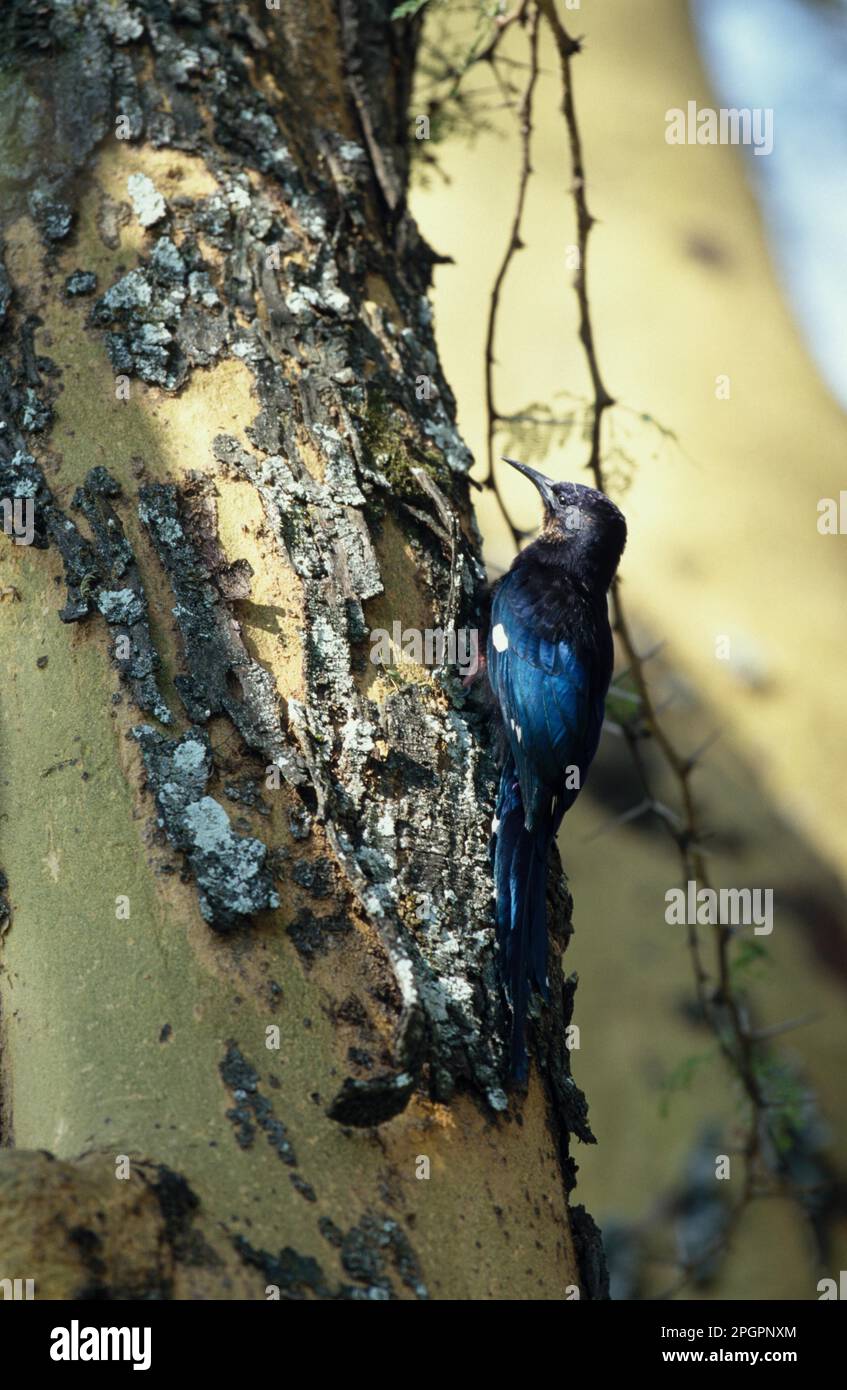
<point>515,243</point>
<point>501,24</point>
<point>567,47</point>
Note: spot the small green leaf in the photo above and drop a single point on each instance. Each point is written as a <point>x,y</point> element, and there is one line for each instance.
<point>749,955</point>
<point>681,1077</point>
<point>408,9</point>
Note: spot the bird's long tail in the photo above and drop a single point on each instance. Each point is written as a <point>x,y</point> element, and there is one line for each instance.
<point>520,880</point>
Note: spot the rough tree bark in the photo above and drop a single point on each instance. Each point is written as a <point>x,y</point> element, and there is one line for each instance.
<point>249,1008</point>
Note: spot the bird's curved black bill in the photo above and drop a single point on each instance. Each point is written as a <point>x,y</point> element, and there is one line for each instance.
<point>544,485</point>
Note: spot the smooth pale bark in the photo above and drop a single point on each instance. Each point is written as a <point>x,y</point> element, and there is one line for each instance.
<point>253,391</point>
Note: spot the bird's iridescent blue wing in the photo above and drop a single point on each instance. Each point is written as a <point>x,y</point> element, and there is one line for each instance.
<point>552,715</point>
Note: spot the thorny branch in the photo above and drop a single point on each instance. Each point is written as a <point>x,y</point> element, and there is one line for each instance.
<point>501,25</point>
<point>515,243</point>
<point>719,1001</point>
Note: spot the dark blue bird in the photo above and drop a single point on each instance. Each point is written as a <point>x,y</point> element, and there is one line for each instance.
<point>549,662</point>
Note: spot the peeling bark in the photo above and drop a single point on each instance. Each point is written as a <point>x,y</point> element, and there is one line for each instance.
<point>233,183</point>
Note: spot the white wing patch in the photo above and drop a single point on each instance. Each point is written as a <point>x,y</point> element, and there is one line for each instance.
<point>499,638</point>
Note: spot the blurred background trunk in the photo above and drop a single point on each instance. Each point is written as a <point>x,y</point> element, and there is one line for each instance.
<point>246,933</point>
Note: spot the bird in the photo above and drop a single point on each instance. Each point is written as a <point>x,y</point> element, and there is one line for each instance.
<point>549,657</point>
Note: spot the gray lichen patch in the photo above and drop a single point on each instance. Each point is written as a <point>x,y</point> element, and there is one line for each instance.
<point>369,1248</point>
<point>120,606</point>
<point>296,1276</point>
<point>100,573</point>
<point>53,217</point>
<point>232,881</point>
<point>178,771</point>
<point>120,595</point>
<point>247,792</point>
<point>223,676</point>
<point>22,479</point>
<point>230,870</point>
<point>147,202</point>
<point>80,282</point>
<point>373,1253</point>
<point>252,1110</point>
<point>163,317</point>
<point>315,875</point>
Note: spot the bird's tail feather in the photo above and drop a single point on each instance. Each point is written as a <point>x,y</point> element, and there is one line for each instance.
<point>520,877</point>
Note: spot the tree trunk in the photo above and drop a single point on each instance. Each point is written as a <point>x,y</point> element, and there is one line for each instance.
<point>249,1001</point>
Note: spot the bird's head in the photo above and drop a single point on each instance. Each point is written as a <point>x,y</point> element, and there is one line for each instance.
<point>582,531</point>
